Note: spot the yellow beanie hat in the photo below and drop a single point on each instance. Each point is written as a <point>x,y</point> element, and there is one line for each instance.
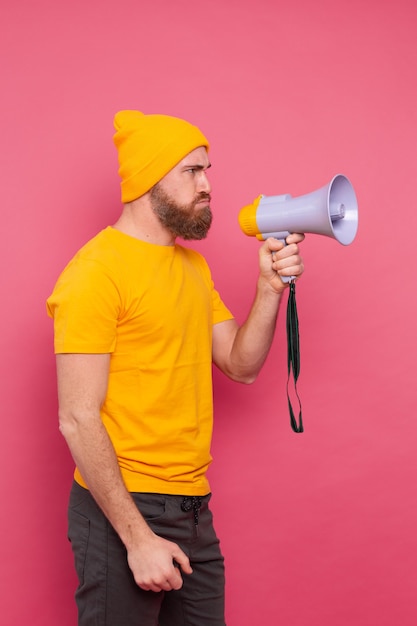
<point>149,146</point>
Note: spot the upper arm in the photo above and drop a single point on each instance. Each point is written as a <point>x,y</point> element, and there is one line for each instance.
<point>224,334</point>
<point>82,384</point>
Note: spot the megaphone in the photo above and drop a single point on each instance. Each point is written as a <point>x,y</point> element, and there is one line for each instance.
<point>331,211</point>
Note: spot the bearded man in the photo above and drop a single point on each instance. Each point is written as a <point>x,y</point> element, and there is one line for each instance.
<point>138,324</point>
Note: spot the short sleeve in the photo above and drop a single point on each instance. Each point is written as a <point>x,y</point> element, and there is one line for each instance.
<point>85,307</point>
<point>220,311</point>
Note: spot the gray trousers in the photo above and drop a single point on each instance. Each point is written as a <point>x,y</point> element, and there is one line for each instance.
<point>107,594</point>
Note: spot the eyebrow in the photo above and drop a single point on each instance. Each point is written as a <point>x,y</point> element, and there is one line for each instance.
<point>197,166</point>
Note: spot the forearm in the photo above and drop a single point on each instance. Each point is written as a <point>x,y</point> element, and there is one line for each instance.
<point>254,337</point>
<point>94,455</point>
<point>241,352</point>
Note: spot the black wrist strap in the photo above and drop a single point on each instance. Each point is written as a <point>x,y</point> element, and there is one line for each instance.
<point>293,351</point>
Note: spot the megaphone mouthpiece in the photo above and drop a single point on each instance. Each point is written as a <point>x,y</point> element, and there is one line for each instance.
<point>337,212</point>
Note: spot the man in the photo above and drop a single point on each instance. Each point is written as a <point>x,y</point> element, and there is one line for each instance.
<point>138,325</point>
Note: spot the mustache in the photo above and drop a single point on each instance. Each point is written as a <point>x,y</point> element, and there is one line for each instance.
<point>203,195</point>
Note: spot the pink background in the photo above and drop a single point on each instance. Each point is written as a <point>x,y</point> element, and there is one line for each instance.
<point>319,528</point>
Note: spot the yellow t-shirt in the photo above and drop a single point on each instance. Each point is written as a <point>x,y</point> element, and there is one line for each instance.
<point>153,308</point>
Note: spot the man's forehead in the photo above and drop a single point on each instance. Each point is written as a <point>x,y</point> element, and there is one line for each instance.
<point>198,157</point>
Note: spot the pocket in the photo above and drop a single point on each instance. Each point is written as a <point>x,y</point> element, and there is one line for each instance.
<point>78,535</point>
<point>152,506</point>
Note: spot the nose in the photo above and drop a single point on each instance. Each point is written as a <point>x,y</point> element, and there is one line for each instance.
<point>204,183</point>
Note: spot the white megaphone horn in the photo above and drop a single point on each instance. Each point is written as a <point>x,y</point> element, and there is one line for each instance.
<point>331,211</point>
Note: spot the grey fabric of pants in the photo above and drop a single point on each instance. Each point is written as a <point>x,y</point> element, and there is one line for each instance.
<point>107,594</point>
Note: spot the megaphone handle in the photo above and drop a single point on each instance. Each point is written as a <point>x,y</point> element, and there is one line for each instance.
<point>285,279</point>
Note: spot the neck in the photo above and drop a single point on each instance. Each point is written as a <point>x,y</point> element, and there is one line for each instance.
<point>138,220</point>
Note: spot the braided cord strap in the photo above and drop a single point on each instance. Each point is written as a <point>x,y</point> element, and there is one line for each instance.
<point>293,352</point>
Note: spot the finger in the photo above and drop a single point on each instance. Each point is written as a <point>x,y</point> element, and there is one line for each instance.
<point>158,588</point>
<point>176,580</point>
<point>291,249</point>
<point>183,561</point>
<point>284,264</point>
<point>166,586</point>
<point>295,238</point>
<point>292,270</point>
<point>163,585</point>
<point>150,587</point>
<point>272,245</point>
<point>288,256</point>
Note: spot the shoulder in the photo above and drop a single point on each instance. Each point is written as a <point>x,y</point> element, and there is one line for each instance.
<point>91,270</point>
<point>193,257</point>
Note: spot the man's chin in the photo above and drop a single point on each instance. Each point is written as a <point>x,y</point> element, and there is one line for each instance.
<point>195,236</point>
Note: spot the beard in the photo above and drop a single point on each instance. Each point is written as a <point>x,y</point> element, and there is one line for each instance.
<point>182,220</point>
